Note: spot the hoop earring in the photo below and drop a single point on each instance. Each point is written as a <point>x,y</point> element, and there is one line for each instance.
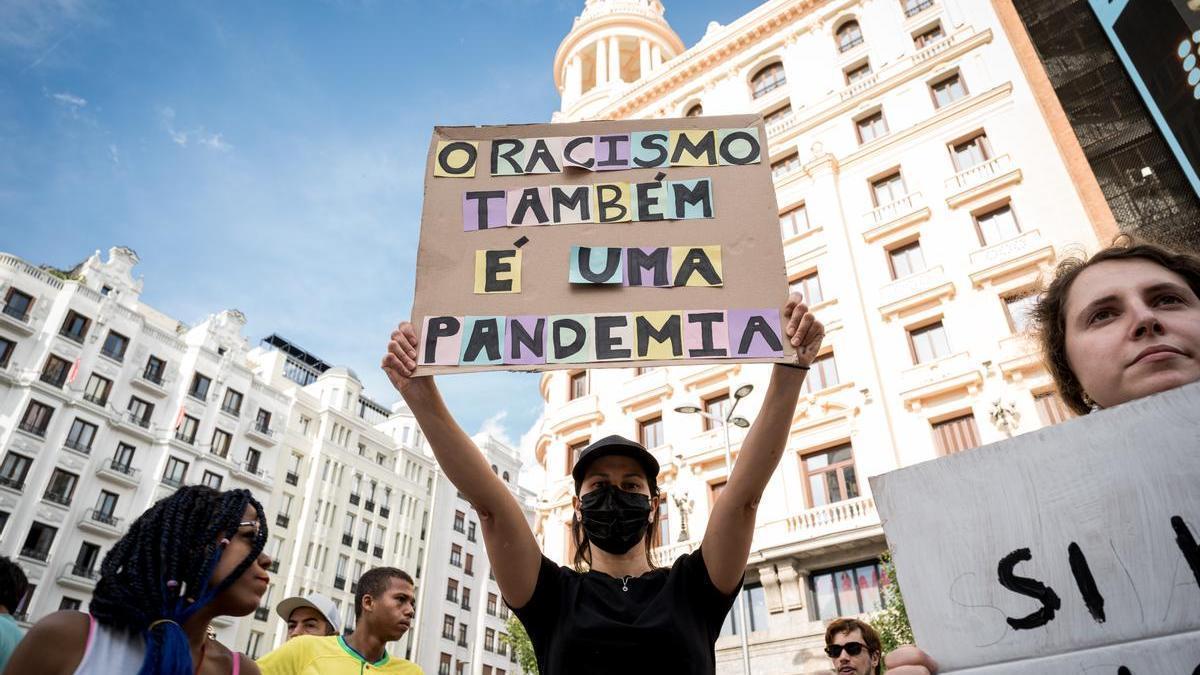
<point>1089,402</point>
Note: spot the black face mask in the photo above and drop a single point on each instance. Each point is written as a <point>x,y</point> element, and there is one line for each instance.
<point>613,519</point>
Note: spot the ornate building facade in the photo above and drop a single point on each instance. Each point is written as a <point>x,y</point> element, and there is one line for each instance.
<point>923,195</point>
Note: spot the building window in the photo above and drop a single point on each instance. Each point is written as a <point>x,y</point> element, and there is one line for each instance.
<point>253,457</point>
<point>469,569</point>
<point>662,535</point>
<point>915,7</point>
<point>252,644</point>
<point>947,90</point>
<point>956,434</point>
<point>786,165</point>
<point>778,114</point>
<point>849,36</point>
<point>460,521</point>
<point>36,418</point>
<point>829,476</point>
<point>456,555</point>
<point>717,406</point>
<point>123,457</point>
<point>579,385</point>
<point>756,611</point>
<point>448,626</point>
<point>175,472</point>
<point>997,225</point>
<point>212,480</point>
<point>650,431</point>
<point>471,531</point>
<point>86,559</point>
<point>263,421</point>
<point>847,591</point>
<point>491,604</point>
<point>61,488</point>
<point>70,604</point>
<point>54,373</point>
<point>6,351</point>
<point>38,541</point>
<point>75,326</point>
<point>232,403</point>
<point>115,345</point>
<point>855,73</point>
<point>452,590</point>
<point>905,260</point>
<point>140,411</point>
<point>17,304</point>
<point>794,221</point>
<point>187,429</point>
<point>929,343</point>
<point>695,110</point>
<point>13,470</point>
<point>97,390</point>
<point>444,665</point>
<point>822,374</point>
<point>466,597</point>
<point>106,506</point>
<point>870,127</point>
<point>809,286</point>
<point>1019,311</point>
<point>928,36</point>
<point>489,639</point>
<point>971,152</point>
<point>767,79</point>
<point>221,441</point>
<point>199,388</point>
<point>573,450</point>
<point>81,435</point>
<point>155,369</point>
<point>1051,408</point>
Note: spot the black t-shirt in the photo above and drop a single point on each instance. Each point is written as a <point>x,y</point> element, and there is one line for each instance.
<point>667,622</point>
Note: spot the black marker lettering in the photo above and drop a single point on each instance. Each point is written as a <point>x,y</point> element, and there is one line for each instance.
<point>1030,588</point>
<point>1086,582</point>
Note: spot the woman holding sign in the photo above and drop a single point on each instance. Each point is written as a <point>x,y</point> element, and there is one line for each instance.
<point>623,615</point>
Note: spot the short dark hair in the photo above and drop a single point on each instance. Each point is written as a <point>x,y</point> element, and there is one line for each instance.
<point>1050,315</point>
<point>870,636</point>
<point>374,582</point>
<point>13,584</point>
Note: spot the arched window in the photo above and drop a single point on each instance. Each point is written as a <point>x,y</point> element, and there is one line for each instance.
<point>849,36</point>
<point>695,110</point>
<point>768,78</point>
<point>505,476</point>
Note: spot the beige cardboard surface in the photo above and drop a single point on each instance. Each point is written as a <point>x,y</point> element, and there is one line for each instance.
<point>745,225</point>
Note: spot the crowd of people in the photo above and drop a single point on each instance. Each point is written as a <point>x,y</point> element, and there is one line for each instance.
<point>1118,326</point>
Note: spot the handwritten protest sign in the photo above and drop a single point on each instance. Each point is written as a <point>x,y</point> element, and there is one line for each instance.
<point>1071,549</point>
<point>613,243</point>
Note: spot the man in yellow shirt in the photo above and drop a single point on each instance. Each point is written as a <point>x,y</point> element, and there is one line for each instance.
<point>383,610</point>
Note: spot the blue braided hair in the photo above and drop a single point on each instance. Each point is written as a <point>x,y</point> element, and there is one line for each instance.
<point>157,576</point>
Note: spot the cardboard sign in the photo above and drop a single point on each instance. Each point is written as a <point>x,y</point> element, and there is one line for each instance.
<point>1071,549</point>
<point>613,243</point>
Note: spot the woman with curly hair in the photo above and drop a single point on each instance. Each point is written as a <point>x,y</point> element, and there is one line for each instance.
<point>193,556</point>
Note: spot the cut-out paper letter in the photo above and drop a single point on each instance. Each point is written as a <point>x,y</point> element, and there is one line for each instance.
<point>484,210</point>
<point>570,339</point>
<point>694,148</point>
<point>441,337</point>
<point>755,333</point>
<point>612,152</point>
<point>483,340</point>
<point>648,149</point>
<point>526,206</point>
<point>705,334</point>
<point>697,265</point>
<point>691,198</point>
<point>739,146</point>
<point>613,337</point>
<point>526,341</point>
<point>544,155</point>
<point>580,153</point>
<point>596,265</point>
<point>612,203</point>
<point>456,159</point>
<point>649,201</point>
<point>659,335</point>
<point>656,261</point>
<point>508,157</point>
<point>571,204</point>
<point>498,271</point>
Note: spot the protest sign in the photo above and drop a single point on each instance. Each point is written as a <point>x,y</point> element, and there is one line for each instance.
<point>612,243</point>
<point>1070,549</point>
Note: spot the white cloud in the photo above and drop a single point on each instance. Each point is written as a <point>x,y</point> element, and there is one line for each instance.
<point>114,153</point>
<point>70,100</point>
<point>494,427</point>
<point>211,140</point>
<point>38,25</point>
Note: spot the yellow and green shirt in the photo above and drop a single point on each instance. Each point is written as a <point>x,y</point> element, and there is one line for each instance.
<point>312,655</point>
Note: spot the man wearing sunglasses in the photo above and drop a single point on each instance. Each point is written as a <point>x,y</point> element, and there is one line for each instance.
<point>853,647</point>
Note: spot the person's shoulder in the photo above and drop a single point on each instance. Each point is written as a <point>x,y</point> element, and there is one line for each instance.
<point>403,667</point>
<point>63,624</point>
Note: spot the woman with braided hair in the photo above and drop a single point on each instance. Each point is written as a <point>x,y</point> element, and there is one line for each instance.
<point>193,556</point>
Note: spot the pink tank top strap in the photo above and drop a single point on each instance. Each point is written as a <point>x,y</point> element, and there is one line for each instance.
<point>91,633</point>
<point>237,663</point>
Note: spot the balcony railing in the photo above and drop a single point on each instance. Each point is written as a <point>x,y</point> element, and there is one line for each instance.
<point>1008,249</point>
<point>190,439</point>
<point>96,399</point>
<point>11,483</point>
<point>264,430</point>
<point>979,174</point>
<point>153,376</point>
<point>292,478</point>
<point>282,520</point>
<point>77,445</point>
<point>122,467</point>
<point>362,545</point>
<point>38,554</point>
<point>119,357</point>
<point>103,518</point>
<point>55,380</point>
<point>912,9</point>
<point>384,512</point>
<point>347,539</point>
<point>231,410</point>
<point>262,613</point>
<point>893,210</point>
<point>911,285</point>
<point>39,431</point>
<point>369,505</point>
<point>939,370</point>
<point>143,422</point>
<point>353,586</point>
<point>173,482</point>
<point>57,498</point>
<point>836,517</point>
<point>354,499</point>
<point>339,583</point>
<point>83,571</point>
<point>377,551</point>
<point>21,315</point>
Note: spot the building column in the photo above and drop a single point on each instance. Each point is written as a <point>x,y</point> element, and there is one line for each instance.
<point>655,57</point>
<point>601,62</point>
<point>614,60</point>
<point>644,58</point>
<point>574,77</point>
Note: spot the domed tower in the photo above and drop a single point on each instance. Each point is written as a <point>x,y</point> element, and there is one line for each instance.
<point>613,42</point>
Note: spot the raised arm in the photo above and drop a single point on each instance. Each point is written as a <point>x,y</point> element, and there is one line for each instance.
<point>730,528</point>
<point>510,545</point>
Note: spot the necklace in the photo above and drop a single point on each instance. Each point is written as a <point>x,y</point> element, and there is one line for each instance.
<point>625,582</point>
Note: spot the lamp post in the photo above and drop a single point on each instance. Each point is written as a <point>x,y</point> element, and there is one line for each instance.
<point>742,423</point>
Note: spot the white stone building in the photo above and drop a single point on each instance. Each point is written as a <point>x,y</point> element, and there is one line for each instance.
<point>923,193</point>
<point>461,620</point>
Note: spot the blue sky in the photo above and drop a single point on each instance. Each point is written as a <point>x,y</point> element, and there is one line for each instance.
<point>268,156</point>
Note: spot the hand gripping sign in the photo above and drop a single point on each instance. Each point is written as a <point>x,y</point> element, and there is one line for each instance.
<point>615,243</point>
<point>1070,549</point>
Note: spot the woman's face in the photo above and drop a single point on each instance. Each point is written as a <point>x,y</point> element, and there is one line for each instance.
<point>623,473</point>
<point>1132,329</point>
<point>246,593</point>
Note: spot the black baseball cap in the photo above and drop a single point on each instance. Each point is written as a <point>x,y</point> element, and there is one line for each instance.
<point>616,445</point>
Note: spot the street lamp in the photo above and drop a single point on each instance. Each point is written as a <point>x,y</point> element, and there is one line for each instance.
<point>742,423</point>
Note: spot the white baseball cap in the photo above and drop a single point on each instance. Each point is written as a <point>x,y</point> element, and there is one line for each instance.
<point>315,600</point>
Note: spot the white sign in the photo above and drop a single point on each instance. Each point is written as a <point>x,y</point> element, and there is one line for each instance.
<point>1071,549</point>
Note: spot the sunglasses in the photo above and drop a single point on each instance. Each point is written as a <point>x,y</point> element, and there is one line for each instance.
<point>851,648</point>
